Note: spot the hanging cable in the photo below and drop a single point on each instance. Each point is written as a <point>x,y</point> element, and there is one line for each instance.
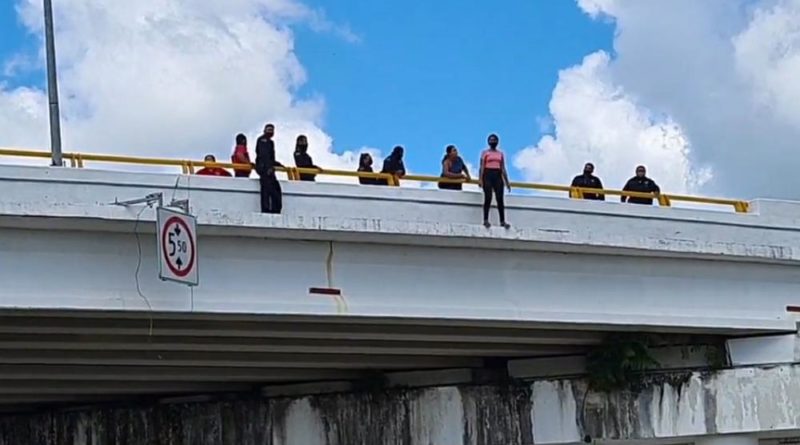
<point>139,266</point>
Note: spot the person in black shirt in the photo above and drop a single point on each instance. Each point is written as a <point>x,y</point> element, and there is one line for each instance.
<point>393,164</point>
<point>271,194</point>
<point>302,159</point>
<point>642,184</point>
<point>365,165</point>
<point>589,181</point>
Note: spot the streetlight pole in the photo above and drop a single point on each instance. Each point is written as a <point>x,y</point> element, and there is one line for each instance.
<point>52,86</point>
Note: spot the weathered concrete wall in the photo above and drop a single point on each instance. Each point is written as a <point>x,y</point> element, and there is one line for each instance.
<point>674,406</point>
<point>744,400</point>
<point>453,416</point>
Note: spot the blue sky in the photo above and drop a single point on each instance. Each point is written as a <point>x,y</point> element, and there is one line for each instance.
<point>699,91</point>
<point>423,74</point>
<point>16,40</point>
<point>427,74</point>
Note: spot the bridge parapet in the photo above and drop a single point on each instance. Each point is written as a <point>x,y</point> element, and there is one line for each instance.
<point>399,252</point>
<point>83,199</point>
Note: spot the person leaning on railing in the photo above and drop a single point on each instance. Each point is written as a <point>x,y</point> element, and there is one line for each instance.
<point>302,159</point>
<point>640,184</point>
<point>453,167</point>
<point>393,164</point>
<point>589,181</point>
<point>365,166</point>
<point>241,156</point>
<point>211,170</point>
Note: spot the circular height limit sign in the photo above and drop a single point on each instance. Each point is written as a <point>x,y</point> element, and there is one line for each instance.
<point>177,246</point>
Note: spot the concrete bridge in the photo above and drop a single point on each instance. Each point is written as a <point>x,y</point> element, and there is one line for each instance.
<point>429,298</point>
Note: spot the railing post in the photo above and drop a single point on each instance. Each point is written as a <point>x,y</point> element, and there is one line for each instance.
<point>663,201</point>
<point>741,207</point>
<point>576,193</point>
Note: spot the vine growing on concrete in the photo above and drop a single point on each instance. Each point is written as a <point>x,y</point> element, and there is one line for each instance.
<point>619,363</point>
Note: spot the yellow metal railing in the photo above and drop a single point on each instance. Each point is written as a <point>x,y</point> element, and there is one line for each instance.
<point>77,160</point>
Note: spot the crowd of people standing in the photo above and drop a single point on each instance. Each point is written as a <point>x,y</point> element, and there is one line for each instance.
<point>492,177</point>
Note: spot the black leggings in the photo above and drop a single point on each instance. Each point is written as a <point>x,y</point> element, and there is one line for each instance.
<point>271,194</point>
<point>493,182</point>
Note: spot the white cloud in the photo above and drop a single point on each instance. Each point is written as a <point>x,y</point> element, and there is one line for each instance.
<point>23,117</point>
<point>596,8</point>
<point>768,56</point>
<point>174,78</point>
<point>596,121</point>
<point>711,82</point>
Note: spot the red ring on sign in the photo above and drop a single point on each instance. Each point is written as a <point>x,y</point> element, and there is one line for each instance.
<point>179,221</point>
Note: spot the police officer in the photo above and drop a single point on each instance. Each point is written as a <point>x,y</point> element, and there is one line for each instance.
<point>589,181</point>
<point>641,184</point>
<point>271,195</point>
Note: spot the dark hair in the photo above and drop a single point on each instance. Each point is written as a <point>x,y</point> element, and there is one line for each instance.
<point>493,136</point>
<point>588,164</point>
<point>449,149</point>
<point>363,158</point>
<point>301,137</point>
<point>270,125</point>
<point>213,158</point>
<point>641,167</point>
<point>241,139</point>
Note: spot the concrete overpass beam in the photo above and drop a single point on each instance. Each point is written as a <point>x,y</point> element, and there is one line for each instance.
<point>728,440</point>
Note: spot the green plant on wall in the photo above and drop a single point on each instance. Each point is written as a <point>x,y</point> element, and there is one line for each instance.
<point>619,362</point>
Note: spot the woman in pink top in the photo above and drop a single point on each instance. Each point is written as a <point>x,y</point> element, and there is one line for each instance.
<point>492,178</point>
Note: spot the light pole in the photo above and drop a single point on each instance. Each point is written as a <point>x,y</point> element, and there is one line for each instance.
<point>52,86</point>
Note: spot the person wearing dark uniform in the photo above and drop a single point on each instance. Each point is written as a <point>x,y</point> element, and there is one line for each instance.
<point>589,181</point>
<point>641,184</point>
<point>302,159</point>
<point>393,164</point>
<point>453,167</point>
<point>271,194</point>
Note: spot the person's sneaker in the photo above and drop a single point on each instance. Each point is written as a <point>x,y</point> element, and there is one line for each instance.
<point>487,224</point>
<point>505,225</point>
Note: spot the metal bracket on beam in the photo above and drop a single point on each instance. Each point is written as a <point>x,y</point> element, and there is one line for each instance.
<point>152,198</point>
<point>182,204</point>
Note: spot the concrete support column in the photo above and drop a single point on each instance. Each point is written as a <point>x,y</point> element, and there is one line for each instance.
<point>728,440</point>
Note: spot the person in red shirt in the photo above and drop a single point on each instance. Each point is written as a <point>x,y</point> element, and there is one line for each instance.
<point>241,156</point>
<point>209,170</point>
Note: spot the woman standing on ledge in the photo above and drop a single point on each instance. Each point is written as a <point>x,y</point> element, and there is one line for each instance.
<point>492,178</point>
